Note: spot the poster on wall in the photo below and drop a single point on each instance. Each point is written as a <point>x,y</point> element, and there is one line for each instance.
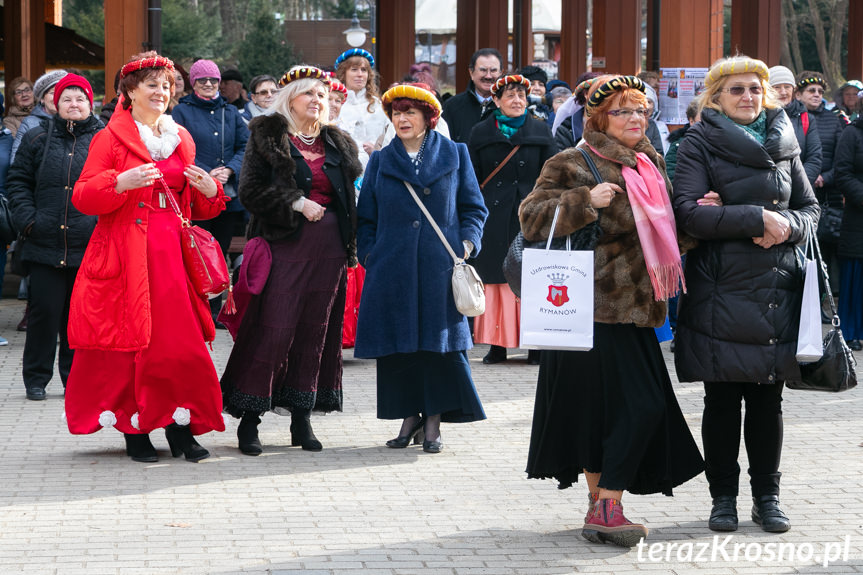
<point>677,88</point>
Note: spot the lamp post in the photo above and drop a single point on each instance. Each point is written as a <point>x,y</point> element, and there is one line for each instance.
<point>355,36</point>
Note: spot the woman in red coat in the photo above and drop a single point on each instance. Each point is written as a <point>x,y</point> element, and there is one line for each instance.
<point>137,325</point>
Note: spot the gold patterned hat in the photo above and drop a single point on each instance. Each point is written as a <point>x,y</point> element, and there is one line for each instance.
<point>411,92</point>
<point>608,88</point>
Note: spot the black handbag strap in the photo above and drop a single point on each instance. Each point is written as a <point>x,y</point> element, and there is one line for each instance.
<point>591,165</point>
<point>825,277</point>
<point>48,135</point>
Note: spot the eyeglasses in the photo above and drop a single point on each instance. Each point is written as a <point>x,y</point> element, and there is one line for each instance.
<point>265,92</point>
<point>492,71</point>
<point>205,81</point>
<point>814,90</point>
<point>627,112</point>
<point>738,91</point>
<point>20,91</point>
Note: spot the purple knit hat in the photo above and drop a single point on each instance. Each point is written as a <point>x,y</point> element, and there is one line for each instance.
<point>204,69</point>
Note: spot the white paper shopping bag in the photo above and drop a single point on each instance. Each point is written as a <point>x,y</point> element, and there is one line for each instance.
<point>810,346</point>
<point>557,299</point>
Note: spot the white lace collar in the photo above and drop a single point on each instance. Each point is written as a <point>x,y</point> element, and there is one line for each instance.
<point>163,146</point>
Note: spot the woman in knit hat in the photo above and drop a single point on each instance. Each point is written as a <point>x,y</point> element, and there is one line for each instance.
<point>220,135</point>
<point>43,92</point>
<point>737,323</point>
<point>610,413</point>
<point>39,185</point>
<point>362,115</point>
<point>24,100</point>
<point>782,81</point>
<point>506,178</point>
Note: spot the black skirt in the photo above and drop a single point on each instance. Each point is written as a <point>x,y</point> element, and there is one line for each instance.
<point>611,410</point>
<point>427,383</point>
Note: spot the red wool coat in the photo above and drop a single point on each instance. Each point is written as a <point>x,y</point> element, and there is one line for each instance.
<point>110,308</point>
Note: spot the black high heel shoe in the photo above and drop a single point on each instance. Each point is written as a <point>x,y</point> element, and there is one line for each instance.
<point>415,434</point>
<point>139,448</point>
<point>302,434</point>
<point>182,442</point>
<point>247,434</point>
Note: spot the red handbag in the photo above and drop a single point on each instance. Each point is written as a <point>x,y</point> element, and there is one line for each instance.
<point>203,258</point>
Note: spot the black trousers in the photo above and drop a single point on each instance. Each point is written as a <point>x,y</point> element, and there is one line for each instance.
<point>50,292</point>
<point>762,434</point>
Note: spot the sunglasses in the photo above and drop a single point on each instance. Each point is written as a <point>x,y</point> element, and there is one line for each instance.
<point>738,91</point>
<point>205,81</point>
<point>265,92</point>
<point>814,90</point>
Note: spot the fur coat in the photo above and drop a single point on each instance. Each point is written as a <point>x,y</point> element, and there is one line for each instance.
<point>275,175</point>
<point>622,289</point>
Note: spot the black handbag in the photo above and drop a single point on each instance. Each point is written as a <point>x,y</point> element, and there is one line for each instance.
<point>835,370</point>
<point>583,239</point>
<point>829,224</point>
<point>7,226</point>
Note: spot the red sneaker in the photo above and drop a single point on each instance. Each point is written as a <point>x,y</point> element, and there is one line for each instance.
<point>607,524</point>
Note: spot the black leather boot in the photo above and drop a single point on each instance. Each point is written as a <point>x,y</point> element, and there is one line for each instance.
<point>301,430</point>
<point>139,448</point>
<point>247,434</point>
<point>723,516</point>
<point>496,354</point>
<point>182,442</point>
<point>766,512</point>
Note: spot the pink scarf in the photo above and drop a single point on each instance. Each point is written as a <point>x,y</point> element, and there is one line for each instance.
<point>654,221</point>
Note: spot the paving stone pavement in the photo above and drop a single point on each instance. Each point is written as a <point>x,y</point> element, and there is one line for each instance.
<point>77,505</point>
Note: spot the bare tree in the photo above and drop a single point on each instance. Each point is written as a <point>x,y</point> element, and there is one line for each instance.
<point>832,14</point>
<point>791,38</point>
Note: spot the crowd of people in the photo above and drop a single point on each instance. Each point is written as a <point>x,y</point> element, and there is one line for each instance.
<point>352,197</point>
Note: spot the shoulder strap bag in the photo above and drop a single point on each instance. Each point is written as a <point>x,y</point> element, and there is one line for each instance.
<point>202,257</point>
<point>229,188</point>
<point>467,287</point>
<point>835,370</point>
<point>583,239</point>
<point>499,167</point>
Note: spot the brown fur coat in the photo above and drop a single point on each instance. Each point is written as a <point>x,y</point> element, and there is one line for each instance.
<point>622,289</point>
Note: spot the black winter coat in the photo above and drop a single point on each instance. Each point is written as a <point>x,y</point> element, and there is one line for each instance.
<point>275,175</point>
<point>738,320</point>
<point>462,112</point>
<point>502,194</point>
<point>830,128</point>
<point>848,168</point>
<point>809,140</point>
<point>41,195</point>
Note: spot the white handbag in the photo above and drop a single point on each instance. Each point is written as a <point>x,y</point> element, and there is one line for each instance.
<point>809,339</point>
<point>467,288</point>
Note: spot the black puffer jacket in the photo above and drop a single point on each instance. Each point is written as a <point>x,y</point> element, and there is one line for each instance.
<point>502,194</point>
<point>848,168</point>
<point>57,233</point>
<point>808,138</point>
<point>830,127</point>
<point>738,320</point>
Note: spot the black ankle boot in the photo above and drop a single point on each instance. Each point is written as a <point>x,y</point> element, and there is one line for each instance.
<point>139,448</point>
<point>247,434</point>
<point>182,442</point>
<point>766,512</point>
<point>301,430</point>
<point>496,354</point>
<point>723,516</point>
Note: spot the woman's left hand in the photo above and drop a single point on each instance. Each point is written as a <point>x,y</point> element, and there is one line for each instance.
<point>711,198</point>
<point>368,147</point>
<point>201,180</point>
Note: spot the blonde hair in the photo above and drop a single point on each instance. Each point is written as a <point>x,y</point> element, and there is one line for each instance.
<point>285,95</point>
<point>725,68</point>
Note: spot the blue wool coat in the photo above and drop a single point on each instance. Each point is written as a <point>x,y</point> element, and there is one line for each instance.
<point>203,119</point>
<point>407,302</point>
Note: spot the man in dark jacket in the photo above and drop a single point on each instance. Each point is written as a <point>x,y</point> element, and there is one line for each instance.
<point>463,111</point>
<point>810,90</point>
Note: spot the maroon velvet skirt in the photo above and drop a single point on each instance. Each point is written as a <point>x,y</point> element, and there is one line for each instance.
<point>288,350</point>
